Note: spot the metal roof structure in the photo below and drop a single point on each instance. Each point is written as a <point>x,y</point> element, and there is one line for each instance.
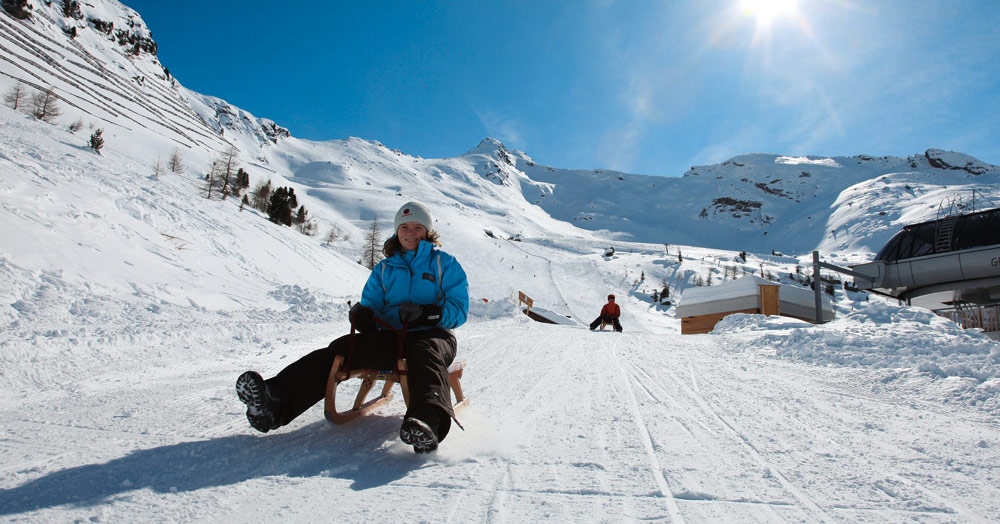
<point>947,262</point>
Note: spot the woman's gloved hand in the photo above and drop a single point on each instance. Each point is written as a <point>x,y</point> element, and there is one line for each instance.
<point>413,315</point>
<point>362,318</point>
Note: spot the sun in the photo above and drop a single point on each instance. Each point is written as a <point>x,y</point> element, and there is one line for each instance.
<point>767,11</point>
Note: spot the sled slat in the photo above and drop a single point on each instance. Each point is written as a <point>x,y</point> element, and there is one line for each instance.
<point>455,377</point>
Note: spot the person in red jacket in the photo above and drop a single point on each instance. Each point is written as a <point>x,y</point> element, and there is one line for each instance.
<point>609,315</point>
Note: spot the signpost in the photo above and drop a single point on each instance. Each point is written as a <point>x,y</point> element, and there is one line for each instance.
<point>526,300</point>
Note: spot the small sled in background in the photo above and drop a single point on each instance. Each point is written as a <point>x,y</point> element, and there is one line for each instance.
<point>369,377</point>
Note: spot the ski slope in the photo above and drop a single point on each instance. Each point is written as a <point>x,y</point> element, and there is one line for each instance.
<point>565,425</point>
<point>131,304</point>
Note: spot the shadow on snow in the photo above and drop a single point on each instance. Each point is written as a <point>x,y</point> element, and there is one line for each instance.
<point>357,452</point>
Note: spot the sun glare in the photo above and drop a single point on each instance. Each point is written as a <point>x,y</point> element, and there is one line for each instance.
<point>767,11</point>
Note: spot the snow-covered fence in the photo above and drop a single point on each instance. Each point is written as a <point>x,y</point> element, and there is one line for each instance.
<point>985,317</point>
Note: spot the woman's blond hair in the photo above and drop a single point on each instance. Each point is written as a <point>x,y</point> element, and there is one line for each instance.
<point>392,246</point>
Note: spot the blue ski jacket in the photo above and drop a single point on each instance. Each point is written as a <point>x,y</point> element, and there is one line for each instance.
<point>425,276</point>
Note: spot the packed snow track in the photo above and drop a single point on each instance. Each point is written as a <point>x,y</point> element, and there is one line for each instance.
<point>565,425</point>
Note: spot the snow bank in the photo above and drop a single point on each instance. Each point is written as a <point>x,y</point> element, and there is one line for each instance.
<point>881,336</point>
<point>486,309</point>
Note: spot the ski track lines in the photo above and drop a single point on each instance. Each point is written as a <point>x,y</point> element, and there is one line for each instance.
<point>692,454</point>
<point>569,396</point>
<point>811,443</point>
<point>880,464</point>
<point>655,469</point>
<point>565,425</point>
<point>737,436</point>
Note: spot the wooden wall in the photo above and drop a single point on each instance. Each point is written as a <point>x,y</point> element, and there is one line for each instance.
<point>705,323</point>
<point>769,305</point>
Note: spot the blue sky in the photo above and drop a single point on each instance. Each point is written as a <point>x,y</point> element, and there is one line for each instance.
<point>638,86</point>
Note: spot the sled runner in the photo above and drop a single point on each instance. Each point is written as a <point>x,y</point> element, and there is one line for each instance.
<point>368,378</point>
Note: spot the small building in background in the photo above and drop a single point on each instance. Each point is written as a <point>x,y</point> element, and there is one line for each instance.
<point>701,308</point>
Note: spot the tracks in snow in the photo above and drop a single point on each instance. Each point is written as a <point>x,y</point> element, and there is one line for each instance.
<point>654,463</point>
<point>565,425</point>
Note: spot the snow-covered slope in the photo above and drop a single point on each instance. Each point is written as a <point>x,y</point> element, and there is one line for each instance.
<point>100,61</point>
<point>770,202</point>
<point>108,76</point>
<point>130,302</point>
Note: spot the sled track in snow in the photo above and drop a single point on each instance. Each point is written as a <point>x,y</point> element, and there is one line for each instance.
<point>654,463</point>
<point>804,500</point>
<point>947,504</point>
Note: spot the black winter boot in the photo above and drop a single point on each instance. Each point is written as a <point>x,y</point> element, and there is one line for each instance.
<point>262,403</point>
<point>418,434</point>
<point>424,427</point>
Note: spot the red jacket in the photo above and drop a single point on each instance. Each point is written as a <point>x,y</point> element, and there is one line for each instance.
<point>611,310</point>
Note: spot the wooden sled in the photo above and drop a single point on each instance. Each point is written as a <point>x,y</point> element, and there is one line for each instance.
<point>609,325</point>
<point>368,378</point>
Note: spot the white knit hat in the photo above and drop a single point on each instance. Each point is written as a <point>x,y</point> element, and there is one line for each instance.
<point>414,212</point>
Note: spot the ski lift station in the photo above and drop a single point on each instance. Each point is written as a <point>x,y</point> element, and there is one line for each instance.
<point>701,308</point>
<point>950,265</point>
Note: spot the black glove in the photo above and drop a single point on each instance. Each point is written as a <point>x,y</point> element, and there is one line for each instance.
<point>362,318</point>
<point>427,315</point>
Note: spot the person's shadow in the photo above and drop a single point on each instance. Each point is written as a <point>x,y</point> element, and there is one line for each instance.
<point>355,451</point>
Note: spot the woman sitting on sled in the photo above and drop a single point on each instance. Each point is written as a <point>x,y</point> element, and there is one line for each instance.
<point>417,287</point>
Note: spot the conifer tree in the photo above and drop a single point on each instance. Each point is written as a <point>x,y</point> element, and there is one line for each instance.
<point>227,164</point>
<point>279,209</point>
<point>96,141</point>
<point>71,9</point>
<point>242,181</point>
<point>337,233</point>
<point>17,8</point>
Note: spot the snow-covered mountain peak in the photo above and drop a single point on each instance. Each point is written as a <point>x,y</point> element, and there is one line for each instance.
<point>756,202</point>
<point>105,25</point>
<point>226,118</point>
<point>488,145</point>
<point>958,161</point>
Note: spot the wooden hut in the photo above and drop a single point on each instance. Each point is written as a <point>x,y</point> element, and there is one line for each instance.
<point>702,307</point>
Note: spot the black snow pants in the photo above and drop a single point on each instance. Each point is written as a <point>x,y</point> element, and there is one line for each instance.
<point>428,354</point>
<point>607,320</point>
